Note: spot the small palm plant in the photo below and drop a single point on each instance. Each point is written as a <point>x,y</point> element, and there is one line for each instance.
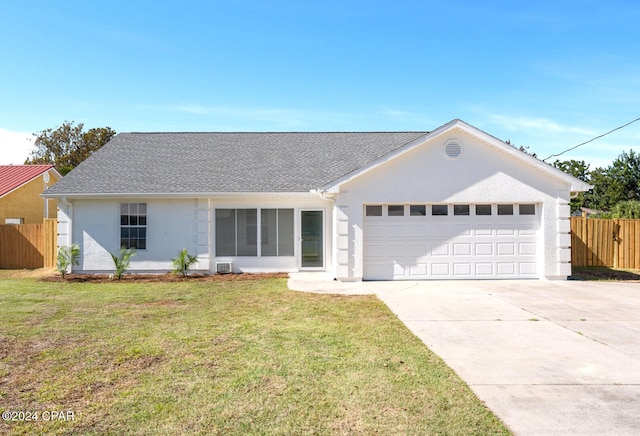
<point>67,257</point>
<point>121,262</point>
<point>183,262</point>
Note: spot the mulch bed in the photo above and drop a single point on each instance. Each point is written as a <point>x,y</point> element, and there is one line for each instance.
<point>160,278</point>
<point>603,273</point>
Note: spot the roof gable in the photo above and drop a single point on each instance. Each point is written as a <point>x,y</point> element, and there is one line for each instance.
<point>444,131</point>
<point>14,176</point>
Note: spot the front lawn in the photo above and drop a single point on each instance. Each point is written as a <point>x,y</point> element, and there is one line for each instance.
<point>231,357</point>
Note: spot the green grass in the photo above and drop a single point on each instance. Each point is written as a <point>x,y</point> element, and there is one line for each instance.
<point>237,357</point>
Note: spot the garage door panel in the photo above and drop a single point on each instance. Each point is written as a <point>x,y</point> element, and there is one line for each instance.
<point>439,269</point>
<point>484,269</point>
<point>484,249</point>
<point>505,230</point>
<point>462,269</point>
<point>463,249</point>
<point>506,268</point>
<point>506,248</point>
<point>417,251</point>
<point>462,230</point>
<point>484,232</point>
<point>420,269</point>
<point>527,232</point>
<point>417,231</point>
<point>379,271</point>
<point>440,250</point>
<point>527,248</point>
<point>375,230</point>
<point>440,231</point>
<point>395,250</point>
<point>396,231</point>
<point>376,250</point>
<point>527,268</point>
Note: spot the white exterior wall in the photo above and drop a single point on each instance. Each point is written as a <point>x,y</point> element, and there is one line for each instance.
<point>483,173</point>
<point>174,224</point>
<point>171,226</point>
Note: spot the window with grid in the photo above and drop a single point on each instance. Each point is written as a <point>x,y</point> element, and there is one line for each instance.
<point>133,225</point>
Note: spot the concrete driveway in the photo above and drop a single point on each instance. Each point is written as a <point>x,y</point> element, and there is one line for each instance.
<point>548,358</point>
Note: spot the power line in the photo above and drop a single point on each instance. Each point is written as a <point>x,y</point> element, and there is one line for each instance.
<point>591,140</point>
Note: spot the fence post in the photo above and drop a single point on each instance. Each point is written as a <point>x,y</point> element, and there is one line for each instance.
<point>616,242</point>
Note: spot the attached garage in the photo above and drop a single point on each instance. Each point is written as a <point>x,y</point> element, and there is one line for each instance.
<point>451,241</point>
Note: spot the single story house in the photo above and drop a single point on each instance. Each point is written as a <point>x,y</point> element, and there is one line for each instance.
<point>453,203</point>
<point>20,189</point>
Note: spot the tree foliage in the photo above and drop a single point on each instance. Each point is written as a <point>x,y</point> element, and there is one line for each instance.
<point>627,210</point>
<point>67,257</point>
<point>580,170</point>
<point>619,182</point>
<point>68,145</point>
<point>182,264</point>
<point>121,261</point>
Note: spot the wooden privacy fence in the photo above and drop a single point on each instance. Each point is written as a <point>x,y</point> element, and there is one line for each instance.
<point>28,245</point>
<point>605,242</point>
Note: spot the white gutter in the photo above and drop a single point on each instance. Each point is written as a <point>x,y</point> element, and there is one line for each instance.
<point>78,195</point>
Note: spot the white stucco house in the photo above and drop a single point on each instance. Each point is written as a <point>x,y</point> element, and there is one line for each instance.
<point>453,203</point>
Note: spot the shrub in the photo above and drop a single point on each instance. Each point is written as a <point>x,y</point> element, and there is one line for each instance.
<point>183,262</point>
<point>121,262</point>
<point>627,209</point>
<point>67,257</point>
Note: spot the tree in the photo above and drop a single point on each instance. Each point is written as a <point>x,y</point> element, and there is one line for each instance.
<point>620,181</point>
<point>580,170</point>
<point>68,145</point>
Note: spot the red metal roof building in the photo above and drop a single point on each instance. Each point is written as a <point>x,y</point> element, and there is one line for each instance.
<point>20,189</point>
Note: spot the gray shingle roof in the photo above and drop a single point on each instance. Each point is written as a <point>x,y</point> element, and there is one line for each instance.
<point>183,163</point>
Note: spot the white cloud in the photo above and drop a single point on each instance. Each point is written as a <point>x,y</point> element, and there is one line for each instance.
<point>15,147</point>
<point>541,124</point>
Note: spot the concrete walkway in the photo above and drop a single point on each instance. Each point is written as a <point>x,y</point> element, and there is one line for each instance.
<point>548,358</point>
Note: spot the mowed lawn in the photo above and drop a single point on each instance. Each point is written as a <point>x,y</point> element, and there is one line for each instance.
<point>228,357</point>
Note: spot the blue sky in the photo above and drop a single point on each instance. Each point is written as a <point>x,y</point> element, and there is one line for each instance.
<point>546,74</point>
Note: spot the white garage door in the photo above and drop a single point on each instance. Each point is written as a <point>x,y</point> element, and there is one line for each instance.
<point>447,241</point>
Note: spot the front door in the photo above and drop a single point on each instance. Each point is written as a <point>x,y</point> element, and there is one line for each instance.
<point>312,240</point>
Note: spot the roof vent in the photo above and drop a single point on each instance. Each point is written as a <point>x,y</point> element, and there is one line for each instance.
<point>453,149</point>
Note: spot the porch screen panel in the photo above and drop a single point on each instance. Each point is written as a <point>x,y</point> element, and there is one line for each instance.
<point>247,232</point>
<point>276,228</point>
<point>285,232</point>
<point>225,232</point>
<point>269,229</point>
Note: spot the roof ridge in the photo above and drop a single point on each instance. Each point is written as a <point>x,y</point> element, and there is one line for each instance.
<point>275,132</point>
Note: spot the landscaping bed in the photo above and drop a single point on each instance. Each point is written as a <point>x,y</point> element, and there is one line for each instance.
<point>598,273</point>
<point>158,278</point>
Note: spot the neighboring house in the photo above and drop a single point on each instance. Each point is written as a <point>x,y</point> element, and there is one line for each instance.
<point>454,203</point>
<point>20,190</point>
